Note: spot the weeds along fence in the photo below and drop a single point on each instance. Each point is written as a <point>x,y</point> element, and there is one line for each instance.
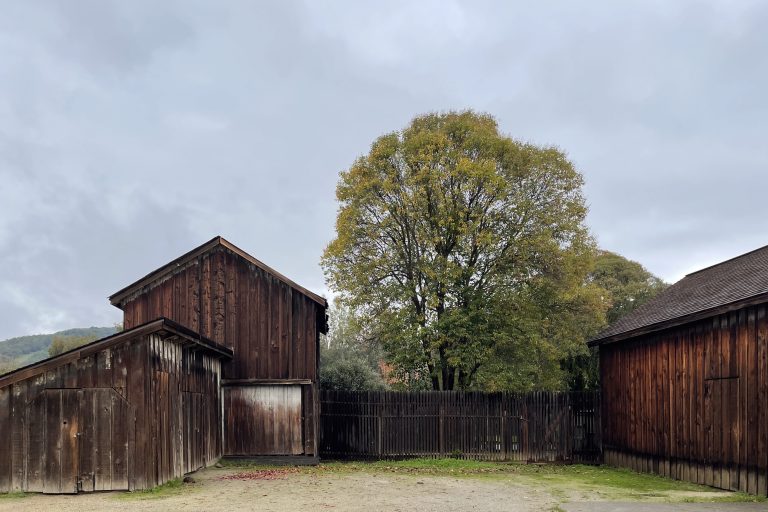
<point>530,427</point>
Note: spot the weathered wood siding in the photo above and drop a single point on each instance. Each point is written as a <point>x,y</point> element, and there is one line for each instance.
<point>185,402</point>
<point>271,327</point>
<point>131,416</point>
<point>264,419</point>
<point>691,402</point>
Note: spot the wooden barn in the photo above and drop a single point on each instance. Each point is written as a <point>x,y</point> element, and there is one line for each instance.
<point>685,379</point>
<point>218,357</point>
<point>273,326</point>
<point>126,412</point>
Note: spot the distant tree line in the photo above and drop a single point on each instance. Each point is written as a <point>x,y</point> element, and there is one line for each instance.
<point>24,350</point>
<point>61,344</point>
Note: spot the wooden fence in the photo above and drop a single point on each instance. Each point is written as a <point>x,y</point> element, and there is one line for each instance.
<point>531,427</point>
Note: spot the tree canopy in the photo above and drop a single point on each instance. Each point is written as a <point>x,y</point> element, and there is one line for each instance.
<point>627,282</point>
<point>625,285</point>
<point>466,253</point>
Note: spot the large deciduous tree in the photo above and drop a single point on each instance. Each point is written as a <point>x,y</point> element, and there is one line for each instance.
<point>466,252</point>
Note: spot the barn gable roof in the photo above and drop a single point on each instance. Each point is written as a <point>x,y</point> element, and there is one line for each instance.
<point>163,326</point>
<point>726,286</point>
<point>157,275</point>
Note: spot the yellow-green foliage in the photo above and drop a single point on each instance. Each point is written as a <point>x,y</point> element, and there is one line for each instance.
<point>466,254</point>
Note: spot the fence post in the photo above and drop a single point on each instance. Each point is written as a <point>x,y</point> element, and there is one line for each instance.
<point>441,436</point>
<point>379,423</point>
<point>504,415</point>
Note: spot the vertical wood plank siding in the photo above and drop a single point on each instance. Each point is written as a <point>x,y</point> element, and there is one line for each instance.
<point>144,411</point>
<point>690,402</point>
<point>271,327</point>
<point>531,427</point>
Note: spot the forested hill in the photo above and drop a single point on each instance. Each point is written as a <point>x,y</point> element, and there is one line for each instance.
<point>24,350</point>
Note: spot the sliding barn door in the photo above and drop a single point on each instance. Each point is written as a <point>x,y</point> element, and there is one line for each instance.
<point>107,427</point>
<point>52,442</point>
<point>263,420</point>
<point>78,440</point>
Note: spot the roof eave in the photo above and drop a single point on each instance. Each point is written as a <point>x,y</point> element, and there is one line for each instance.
<point>158,325</point>
<point>117,298</point>
<point>675,322</point>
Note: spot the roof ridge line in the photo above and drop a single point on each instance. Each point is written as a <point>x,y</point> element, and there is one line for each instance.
<point>726,261</point>
<point>217,241</point>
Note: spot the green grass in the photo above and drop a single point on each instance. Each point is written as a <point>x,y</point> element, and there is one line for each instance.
<point>13,495</point>
<point>423,466</point>
<point>170,488</point>
<point>250,464</point>
<point>734,497</point>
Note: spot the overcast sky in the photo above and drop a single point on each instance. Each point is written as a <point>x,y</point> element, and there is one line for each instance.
<point>131,132</point>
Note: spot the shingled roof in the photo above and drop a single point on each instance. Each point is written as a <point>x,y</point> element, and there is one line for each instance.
<point>729,285</point>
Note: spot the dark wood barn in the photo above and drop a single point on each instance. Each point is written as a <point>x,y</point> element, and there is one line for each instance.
<point>126,412</point>
<point>219,357</point>
<point>273,326</point>
<point>685,379</point>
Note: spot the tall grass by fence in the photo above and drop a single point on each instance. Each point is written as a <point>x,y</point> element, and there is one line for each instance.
<point>530,427</point>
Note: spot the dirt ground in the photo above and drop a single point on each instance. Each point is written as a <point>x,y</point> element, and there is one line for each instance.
<point>338,492</point>
<point>233,489</point>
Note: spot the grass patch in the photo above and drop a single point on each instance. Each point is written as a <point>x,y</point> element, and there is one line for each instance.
<point>168,489</point>
<point>603,476</point>
<point>248,464</point>
<point>421,466</point>
<point>13,495</point>
<point>734,497</point>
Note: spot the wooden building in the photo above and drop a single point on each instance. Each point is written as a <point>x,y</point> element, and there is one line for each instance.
<point>219,357</point>
<point>126,412</point>
<point>272,325</point>
<point>685,379</point>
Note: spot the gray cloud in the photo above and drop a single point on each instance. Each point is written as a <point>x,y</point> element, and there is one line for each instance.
<point>132,131</point>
